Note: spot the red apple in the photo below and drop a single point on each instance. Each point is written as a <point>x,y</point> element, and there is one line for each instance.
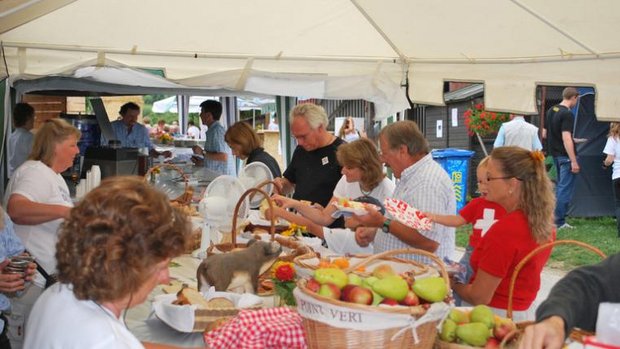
<point>502,328</point>
<point>389,301</point>
<point>359,295</point>
<point>411,299</point>
<point>344,295</point>
<point>313,285</point>
<point>492,343</point>
<point>329,290</point>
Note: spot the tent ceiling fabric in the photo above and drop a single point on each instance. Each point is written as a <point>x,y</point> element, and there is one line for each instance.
<point>333,48</point>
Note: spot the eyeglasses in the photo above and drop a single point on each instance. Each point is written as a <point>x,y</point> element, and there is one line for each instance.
<point>506,177</point>
<point>494,178</point>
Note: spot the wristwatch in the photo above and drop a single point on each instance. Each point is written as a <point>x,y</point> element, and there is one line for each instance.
<point>386,226</point>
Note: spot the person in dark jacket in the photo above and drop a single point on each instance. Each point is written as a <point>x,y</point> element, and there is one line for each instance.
<point>573,302</point>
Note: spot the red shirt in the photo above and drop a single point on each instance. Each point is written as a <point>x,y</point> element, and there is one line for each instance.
<point>503,247</point>
<point>473,213</point>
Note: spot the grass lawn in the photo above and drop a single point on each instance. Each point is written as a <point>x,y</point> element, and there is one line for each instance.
<point>598,232</point>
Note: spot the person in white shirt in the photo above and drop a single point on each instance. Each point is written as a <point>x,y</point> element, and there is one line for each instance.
<point>518,132</point>
<point>348,132</point>
<point>362,176</point>
<point>612,152</point>
<point>20,141</point>
<point>193,132</point>
<point>37,199</point>
<point>273,123</point>
<point>113,250</point>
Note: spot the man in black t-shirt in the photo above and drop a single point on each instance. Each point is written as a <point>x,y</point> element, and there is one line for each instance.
<point>314,170</point>
<point>559,132</point>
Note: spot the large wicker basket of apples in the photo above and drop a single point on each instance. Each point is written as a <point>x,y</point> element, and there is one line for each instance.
<point>341,309</point>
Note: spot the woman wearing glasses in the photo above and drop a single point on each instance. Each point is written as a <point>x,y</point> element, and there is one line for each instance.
<point>362,176</point>
<point>516,179</point>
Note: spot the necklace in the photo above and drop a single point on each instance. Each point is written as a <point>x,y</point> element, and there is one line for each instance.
<point>364,192</point>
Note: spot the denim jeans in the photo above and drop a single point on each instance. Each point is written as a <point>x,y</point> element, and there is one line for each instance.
<point>469,271</point>
<point>616,187</point>
<point>564,188</point>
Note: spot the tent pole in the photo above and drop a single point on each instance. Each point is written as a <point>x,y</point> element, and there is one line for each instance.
<point>484,149</point>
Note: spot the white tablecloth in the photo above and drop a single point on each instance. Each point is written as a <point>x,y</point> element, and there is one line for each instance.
<point>143,323</point>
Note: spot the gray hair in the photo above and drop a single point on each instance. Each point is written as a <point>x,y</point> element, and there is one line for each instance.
<point>314,114</point>
<point>407,133</point>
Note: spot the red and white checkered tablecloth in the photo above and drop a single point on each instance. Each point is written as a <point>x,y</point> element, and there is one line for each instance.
<point>265,328</point>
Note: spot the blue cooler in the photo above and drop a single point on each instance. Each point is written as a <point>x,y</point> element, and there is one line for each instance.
<point>456,163</point>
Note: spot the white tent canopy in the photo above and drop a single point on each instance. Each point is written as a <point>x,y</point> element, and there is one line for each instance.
<point>337,49</point>
<point>169,104</point>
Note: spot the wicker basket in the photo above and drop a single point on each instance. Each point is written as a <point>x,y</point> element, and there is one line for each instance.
<point>229,246</point>
<point>508,342</point>
<point>183,199</point>
<point>204,319</point>
<point>306,261</point>
<point>322,335</point>
<point>194,241</point>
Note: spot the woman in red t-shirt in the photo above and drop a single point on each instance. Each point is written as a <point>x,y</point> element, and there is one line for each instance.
<point>517,180</point>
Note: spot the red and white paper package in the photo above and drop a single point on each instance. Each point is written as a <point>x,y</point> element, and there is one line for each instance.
<point>407,215</point>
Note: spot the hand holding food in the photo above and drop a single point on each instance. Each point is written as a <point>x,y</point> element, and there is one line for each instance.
<point>284,202</point>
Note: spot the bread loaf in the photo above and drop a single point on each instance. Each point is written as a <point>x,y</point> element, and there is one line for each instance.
<point>190,296</point>
<point>220,302</point>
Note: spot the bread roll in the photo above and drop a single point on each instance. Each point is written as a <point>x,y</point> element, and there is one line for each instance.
<point>190,296</point>
<point>220,302</point>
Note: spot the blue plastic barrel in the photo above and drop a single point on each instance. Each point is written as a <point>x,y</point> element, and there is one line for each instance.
<point>456,163</point>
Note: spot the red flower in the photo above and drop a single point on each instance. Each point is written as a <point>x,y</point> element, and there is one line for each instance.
<point>478,120</point>
<point>285,272</point>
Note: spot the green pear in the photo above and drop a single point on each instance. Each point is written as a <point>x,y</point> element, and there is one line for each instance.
<point>369,281</point>
<point>376,298</point>
<point>331,275</point>
<point>482,313</point>
<point>448,331</point>
<point>432,289</point>
<point>392,286</point>
<point>474,334</point>
<point>458,316</point>
<point>355,279</point>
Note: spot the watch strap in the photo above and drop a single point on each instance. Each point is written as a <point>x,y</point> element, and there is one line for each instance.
<point>386,225</point>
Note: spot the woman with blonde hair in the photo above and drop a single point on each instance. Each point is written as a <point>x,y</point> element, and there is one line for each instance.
<point>517,180</point>
<point>362,176</point>
<point>246,145</point>
<point>612,150</point>
<point>37,200</point>
<point>348,132</point>
<point>113,249</point>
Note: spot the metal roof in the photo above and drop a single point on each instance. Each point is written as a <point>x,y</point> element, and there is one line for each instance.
<point>474,90</point>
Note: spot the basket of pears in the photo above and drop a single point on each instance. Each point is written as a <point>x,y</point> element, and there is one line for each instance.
<point>476,327</point>
<point>378,308</point>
